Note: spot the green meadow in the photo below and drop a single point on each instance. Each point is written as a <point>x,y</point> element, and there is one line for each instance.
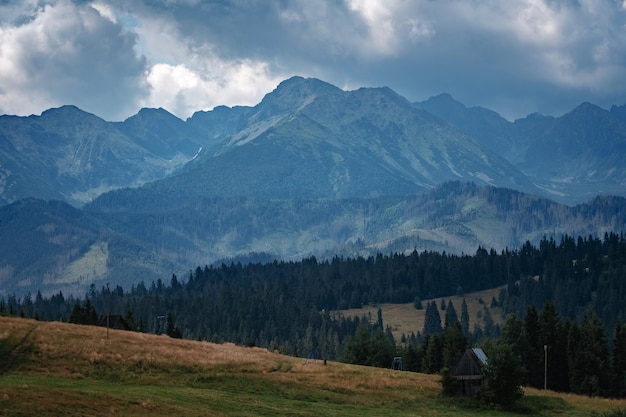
<point>59,369</point>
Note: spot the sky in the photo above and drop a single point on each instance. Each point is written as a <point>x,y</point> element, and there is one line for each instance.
<point>113,57</point>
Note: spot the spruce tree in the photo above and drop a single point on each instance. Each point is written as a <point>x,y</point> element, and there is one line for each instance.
<point>595,357</point>
<point>170,329</point>
<point>451,316</point>
<point>553,335</point>
<point>532,354</point>
<point>432,320</point>
<point>433,355</point>
<point>454,344</point>
<point>618,369</point>
<point>465,326</point>
<point>512,334</point>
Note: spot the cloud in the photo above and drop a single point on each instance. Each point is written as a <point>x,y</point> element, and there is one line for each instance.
<point>114,56</point>
<point>186,74</point>
<point>65,53</point>
<point>183,91</point>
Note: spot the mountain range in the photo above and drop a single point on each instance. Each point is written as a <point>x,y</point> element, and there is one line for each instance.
<point>310,170</point>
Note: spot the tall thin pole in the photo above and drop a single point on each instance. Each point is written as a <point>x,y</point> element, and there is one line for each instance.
<point>324,335</point>
<point>108,308</point>
<point>545,367</point>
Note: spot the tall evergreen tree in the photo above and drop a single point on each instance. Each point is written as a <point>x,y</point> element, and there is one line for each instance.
<point>432,320</point>
<point>532,355</point>
<point>171,329</point>
<point>592,358</point>
<point>553,335</point>
<point>513,334</point>
<point>451,316</point>
<point>454,344</point>
<point>618,369</point>
<point>413,356</point>
<point>465,325</point>
<point>432,361</point>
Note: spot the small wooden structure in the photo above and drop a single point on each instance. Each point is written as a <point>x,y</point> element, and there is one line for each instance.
<point>469,371</point>
<point>115,322</point>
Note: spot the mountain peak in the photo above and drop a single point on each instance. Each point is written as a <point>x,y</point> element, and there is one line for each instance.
<point>298,83</point>
<point>619,111</point>
<point>442,102</point>
<point>300,88</point>
<point>588,112</point>
<point>445,107</point>
<point>294,93</point>
<point>153,114</point>
<point>64,111</point>
<point>587,107</point>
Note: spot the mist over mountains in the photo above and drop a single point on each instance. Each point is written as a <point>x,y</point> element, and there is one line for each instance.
<point>310,170</point>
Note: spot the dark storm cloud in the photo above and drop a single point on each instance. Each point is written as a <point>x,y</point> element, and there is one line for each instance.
<point>516,57</point>
<point>62,53</point>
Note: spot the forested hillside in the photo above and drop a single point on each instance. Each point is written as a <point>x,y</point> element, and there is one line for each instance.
<point>295,307</point>
<point>63,248</point>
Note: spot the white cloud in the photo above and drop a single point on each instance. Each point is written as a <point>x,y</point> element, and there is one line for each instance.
<point>379,18</point>
<point>105,11</point>
<point>63,53</point>
<point>186,75</point>
<point>113,56</point>
<point>183,91</point>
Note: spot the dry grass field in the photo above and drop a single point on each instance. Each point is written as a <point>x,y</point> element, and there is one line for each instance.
<point>58,369</point>
<point>404,318</point>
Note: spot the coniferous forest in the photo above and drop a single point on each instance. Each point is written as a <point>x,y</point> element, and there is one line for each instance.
<point>563,301</point>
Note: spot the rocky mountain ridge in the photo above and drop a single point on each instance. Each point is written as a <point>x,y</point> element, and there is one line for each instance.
<point>75,156</point>
<point>310,170</point>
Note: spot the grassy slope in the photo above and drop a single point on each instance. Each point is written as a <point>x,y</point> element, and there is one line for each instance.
<point>51,369</point>
<point>404,318</point>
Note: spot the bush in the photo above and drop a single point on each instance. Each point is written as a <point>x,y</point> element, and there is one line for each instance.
<point>449,384</point>
<point>503,377</point>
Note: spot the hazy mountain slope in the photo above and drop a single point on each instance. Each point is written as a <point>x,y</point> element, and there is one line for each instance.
<point>217,123</point>
<point>583,153</point>
<point>52,246</point>
<point>72,155</point>
<point>572,157</point>
<point>39,240</point>
<point>619,111</point>
<point>161,133</point>
<point>488,127</point>
<point>453,217</point>
<point>308,139</point>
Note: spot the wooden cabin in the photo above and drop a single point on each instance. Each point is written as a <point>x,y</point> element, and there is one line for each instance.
<point>469,371</point>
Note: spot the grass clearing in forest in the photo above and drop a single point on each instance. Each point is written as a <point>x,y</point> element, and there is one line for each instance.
<point>406,319</point>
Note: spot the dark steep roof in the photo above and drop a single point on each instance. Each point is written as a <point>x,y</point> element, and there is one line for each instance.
<point>470,365</point>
